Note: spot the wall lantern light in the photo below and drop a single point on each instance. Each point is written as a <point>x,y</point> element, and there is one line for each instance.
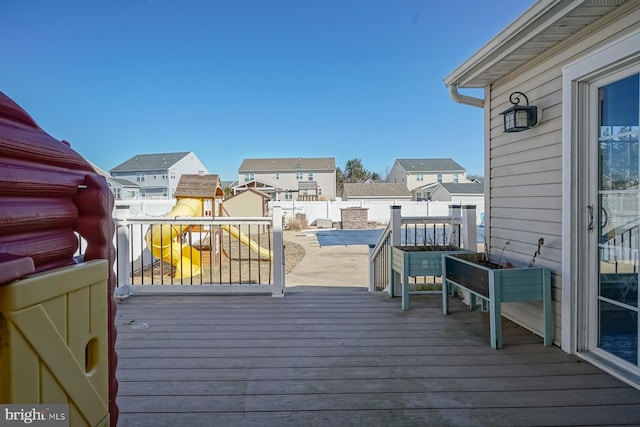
<point>519,117</point>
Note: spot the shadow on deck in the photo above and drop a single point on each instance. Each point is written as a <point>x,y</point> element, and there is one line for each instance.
<point>347,358</point>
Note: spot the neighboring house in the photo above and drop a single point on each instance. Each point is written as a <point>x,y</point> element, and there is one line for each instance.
<point>158,174</point>
<point>371,191</point>
<point>573,178</point>
<point>414,173</point>
<point>468,193</point>
<point>294,178</point>
<point>475,178</point>
<point>123,189</point>
<point>227,187</point>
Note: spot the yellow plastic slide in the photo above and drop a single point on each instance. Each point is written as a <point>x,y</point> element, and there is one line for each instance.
<point>245,240</point>
<point>164,240</point>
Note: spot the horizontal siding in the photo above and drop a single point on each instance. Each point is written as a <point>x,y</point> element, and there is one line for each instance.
<point>542,215</point>
<point>551,176</point>
<point>525,168</point>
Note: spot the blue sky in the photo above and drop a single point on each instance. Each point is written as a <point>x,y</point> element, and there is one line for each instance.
<point>235,79</point>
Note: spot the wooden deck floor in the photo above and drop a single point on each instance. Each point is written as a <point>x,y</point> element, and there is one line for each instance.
<point>347,359</point>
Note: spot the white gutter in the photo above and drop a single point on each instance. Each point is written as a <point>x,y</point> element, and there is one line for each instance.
<point>465,99</point>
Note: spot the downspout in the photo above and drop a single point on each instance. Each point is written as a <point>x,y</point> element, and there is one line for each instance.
<point>464,99</point>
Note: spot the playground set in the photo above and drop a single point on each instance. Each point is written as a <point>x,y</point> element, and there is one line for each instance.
<point>197,196</point>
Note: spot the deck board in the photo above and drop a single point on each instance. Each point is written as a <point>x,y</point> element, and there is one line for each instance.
<point>347,358</point>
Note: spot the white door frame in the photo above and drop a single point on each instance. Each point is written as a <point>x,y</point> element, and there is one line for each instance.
<point>577,124</point>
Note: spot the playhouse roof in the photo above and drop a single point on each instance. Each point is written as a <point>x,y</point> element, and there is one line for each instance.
<point>195,185</point>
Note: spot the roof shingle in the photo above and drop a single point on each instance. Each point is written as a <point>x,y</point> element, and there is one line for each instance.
<point>431,165</point>
<point>150,162</point>
<point>288,164</point>
<point>389,190</point>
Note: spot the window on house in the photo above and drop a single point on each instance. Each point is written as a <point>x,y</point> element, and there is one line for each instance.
<point>288,196</point>
<point>439,177</point>
<point>319,191</point>
<point>310,176</point>
<point>248,177</point>
<point>173,175</point>
<point>456,177</point>
<point>277,175</point>
<point>420,177</point>
<point>139,176</point>
<point>116,194</point>
<point>299,176</point>
<point>164,174</point>
<point>155,175</point>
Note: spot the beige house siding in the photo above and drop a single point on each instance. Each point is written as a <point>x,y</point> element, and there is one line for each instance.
<point>525,191</point>
<point>287,173</point>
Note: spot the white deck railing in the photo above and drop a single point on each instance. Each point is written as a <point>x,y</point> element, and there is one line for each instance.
<point>457,229</point>
<point>200,255</point>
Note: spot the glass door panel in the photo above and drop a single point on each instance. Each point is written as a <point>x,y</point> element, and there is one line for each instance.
<point>618,218</point>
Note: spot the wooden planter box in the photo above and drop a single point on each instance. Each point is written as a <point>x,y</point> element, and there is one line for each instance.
<point>414,261</point>
<point>497,285</point>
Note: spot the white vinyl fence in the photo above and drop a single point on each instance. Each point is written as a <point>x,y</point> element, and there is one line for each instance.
<point>378,211</point>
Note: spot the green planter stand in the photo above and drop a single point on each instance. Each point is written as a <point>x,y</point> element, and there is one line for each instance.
<point>495,286</point>
<point>415,261</point>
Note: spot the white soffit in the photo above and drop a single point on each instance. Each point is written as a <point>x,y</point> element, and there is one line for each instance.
<point>542,26</point>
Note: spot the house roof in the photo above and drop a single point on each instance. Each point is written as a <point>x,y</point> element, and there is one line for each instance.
<point>195,185</point>
<point>124,182</point>
<point>463,187</point>
<point>149,162</point>
<point>289,164</point>
<point>430,165</point>
<point>227,184</point>
<point>383,190</point>
<point>540,28</point>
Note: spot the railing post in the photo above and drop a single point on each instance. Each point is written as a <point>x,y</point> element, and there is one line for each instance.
<point>123,263</point>
<point>455,211</point>
<point>372,273</point>
<point>469,228</point>
<point>396,240</point>
<point>278,252</point>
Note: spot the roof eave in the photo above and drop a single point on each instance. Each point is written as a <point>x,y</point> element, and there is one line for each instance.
<point>534,20</point>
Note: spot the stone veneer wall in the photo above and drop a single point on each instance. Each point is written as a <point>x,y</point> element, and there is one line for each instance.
<point>354,218</point>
